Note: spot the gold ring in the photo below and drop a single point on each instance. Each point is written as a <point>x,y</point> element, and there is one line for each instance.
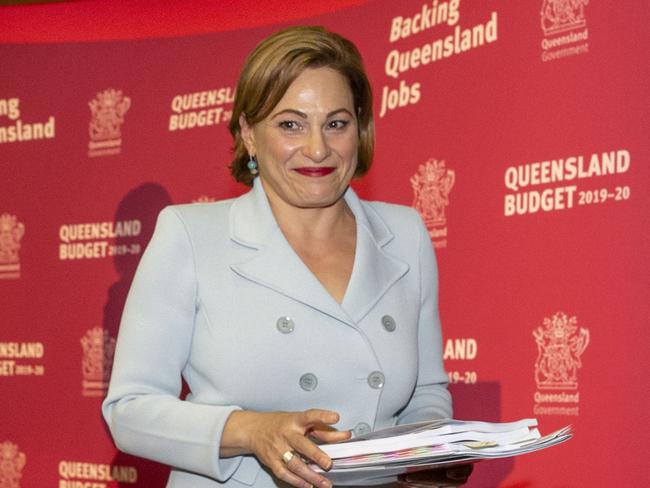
<point>287,456</point>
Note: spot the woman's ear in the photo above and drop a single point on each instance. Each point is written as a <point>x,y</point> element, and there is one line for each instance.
<point>247,135</point>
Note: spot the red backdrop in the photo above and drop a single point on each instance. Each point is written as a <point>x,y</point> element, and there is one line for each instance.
<point>518,129</point>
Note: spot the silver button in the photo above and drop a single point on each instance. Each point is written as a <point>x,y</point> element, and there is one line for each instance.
<point>376,380</point>
<point>360,429</point>
<point>308,382</point>
<point>389,323</point>
<point>285,325</point>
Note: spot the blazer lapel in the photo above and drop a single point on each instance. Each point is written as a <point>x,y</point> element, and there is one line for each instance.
<point>375,271</point>
<point>275,265</point>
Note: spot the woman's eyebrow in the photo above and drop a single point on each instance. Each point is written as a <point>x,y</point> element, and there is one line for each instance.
<point>303,115</point>
<point>290,111</point>
<point>334,112</point>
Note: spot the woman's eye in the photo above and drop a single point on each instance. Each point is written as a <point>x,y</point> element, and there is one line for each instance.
<point>338,124</point>
<point>290,125</point>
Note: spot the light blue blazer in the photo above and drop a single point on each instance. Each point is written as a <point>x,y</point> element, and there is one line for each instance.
<point>221,298</point>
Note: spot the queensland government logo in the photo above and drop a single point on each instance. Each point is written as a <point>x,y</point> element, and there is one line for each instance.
<point>431,186</point>
<point>107,116</point>
<point>12,462</point>
<point>98,350</point>
<point>560,345</point>
<point>565,29</point>
<point>11,233</point>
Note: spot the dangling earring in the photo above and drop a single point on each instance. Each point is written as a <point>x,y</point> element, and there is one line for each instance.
<point>252,165</point>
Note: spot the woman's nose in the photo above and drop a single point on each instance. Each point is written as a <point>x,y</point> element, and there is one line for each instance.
<point>316,147</point>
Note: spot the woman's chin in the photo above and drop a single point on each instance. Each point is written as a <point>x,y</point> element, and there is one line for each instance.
<point>316,199</point>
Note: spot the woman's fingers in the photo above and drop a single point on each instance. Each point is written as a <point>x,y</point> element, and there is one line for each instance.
<point>330,435</point>
<point>308,450</point>
<point>304,472</point>
<point>315,416</point>
<point>283,466</point>
<point>284,473</point>
<point>272,434</point>
<point>319,422</point>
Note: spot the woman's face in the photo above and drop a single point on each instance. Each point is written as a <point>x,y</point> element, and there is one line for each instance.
<point>307,147</point>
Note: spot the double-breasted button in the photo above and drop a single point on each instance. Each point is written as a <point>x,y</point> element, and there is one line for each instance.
<point>308,382</point>
<point>285,325</point>
<point>376,380</point>
<point>389,323</point>
<point>360,429</point>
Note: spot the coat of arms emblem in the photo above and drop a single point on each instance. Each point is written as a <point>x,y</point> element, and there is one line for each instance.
<point>431,186</point>
<point>562,15</point>
<point>98,349</point>
<point>11,233</point>
<point>107,116</point>
<point>12,462</point>
<point>560,345</point>
<point>108,110</point>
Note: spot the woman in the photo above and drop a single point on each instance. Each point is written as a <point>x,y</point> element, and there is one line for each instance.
<point>296,313</point>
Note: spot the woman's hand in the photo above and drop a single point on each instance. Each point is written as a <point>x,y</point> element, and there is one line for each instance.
<point>437,478</point>
<point>269,436</point>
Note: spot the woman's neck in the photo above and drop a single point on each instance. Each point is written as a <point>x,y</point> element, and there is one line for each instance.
<point>308,224</point>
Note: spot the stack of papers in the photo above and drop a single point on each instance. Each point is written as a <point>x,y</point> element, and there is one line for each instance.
<point>431,444</point>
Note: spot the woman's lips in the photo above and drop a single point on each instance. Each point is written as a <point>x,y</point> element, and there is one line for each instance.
<point>315,171</point>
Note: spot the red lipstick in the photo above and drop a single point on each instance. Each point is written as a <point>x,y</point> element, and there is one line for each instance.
<point>315,171</point>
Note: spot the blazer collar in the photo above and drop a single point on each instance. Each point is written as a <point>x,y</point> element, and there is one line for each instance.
<point>276,265</point>
<point>251,219</point>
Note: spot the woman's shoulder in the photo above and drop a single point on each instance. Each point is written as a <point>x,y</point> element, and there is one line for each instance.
<point>199,211</point>
<point>394,215</point>
<point>198,219</point>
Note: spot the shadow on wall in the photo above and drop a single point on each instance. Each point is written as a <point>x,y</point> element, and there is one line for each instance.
<point>482,401</point>
<point>142,203</point>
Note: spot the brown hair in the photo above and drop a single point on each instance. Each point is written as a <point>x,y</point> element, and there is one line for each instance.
<point>275,63</point>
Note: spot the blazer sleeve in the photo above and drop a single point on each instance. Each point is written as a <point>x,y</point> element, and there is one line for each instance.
<point>431,398</point>
<point>143,410</point>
